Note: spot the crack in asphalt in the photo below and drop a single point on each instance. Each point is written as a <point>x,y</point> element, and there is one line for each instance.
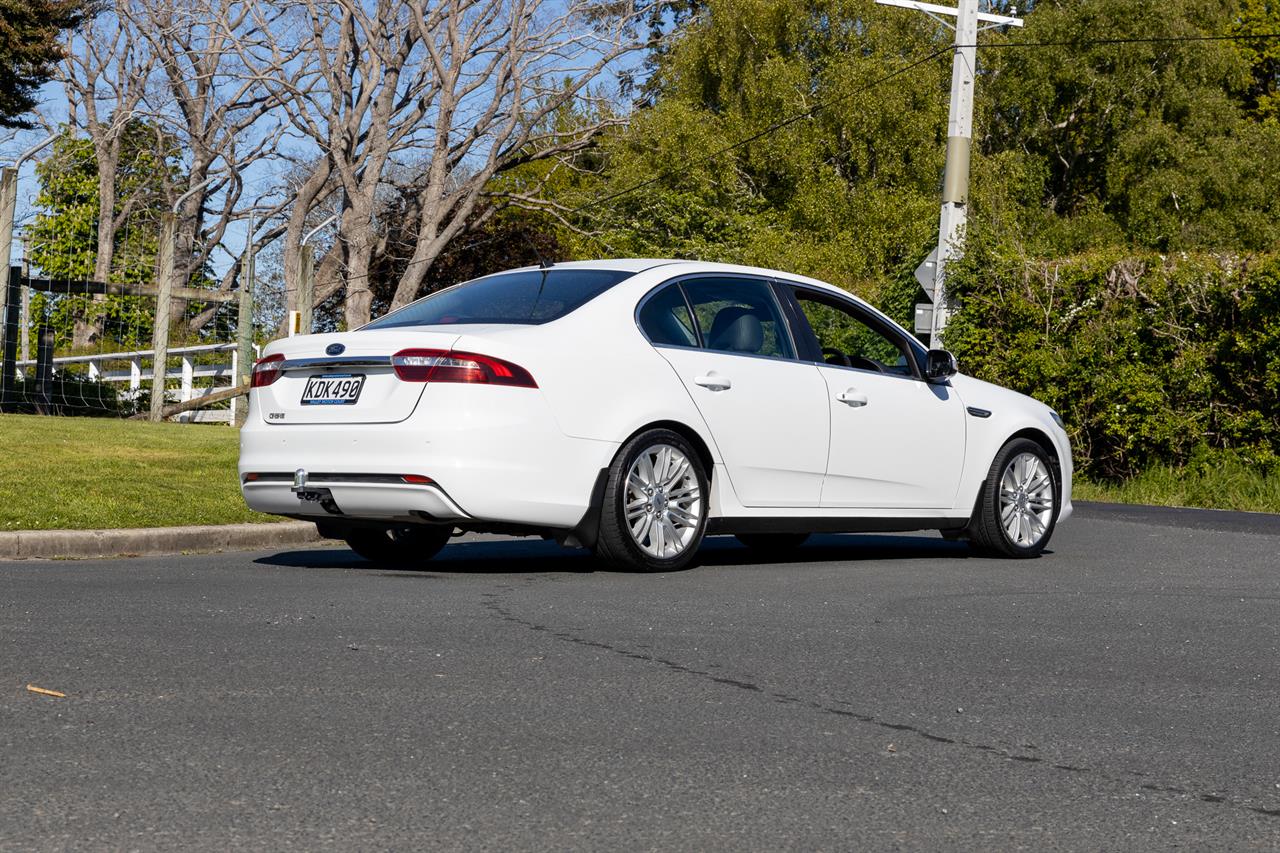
<point>493,604</point>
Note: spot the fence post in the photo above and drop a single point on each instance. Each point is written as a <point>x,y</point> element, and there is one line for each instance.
<point>244,322</point>
<point>44,371</point>
<point>306,288</point>
<point>244,330</point>
<point>9,295</point>
<point>188,384</point>
<point>235,379</point>
<point>164,290</point>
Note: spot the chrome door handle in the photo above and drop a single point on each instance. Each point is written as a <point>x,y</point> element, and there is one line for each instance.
<point>714,381</point>
<point>852,398</point>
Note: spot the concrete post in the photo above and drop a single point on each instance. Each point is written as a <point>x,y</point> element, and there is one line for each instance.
<point>24,318</point>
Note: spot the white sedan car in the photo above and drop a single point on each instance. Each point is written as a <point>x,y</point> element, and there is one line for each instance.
<point>633,407</point>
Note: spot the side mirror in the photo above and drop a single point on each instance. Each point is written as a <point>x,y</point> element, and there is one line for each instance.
<point>939,364</point>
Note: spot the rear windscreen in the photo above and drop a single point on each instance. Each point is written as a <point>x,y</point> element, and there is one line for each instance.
<point>527,296</point>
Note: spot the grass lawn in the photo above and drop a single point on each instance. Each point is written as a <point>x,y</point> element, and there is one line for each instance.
<point>1230,484</point>
<point>101,472</point>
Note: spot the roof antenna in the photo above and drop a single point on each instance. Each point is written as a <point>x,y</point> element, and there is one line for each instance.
<point>544,263</point>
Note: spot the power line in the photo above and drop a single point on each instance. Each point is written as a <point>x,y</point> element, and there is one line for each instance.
<point>776,126</point>
<point>1133,40</point>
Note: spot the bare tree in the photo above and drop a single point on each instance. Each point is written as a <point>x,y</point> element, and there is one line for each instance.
<point>469,86</point>
<point>104,76</point>
<point>217,109</point>
<point>505,71</point>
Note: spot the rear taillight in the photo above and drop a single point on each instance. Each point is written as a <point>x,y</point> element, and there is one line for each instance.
<point>266,370</point>
<point>434,365</point>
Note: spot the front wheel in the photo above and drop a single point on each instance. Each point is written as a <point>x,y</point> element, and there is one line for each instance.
<point>655,504</point>
<point>1018,508</point>
<point>402,546</point>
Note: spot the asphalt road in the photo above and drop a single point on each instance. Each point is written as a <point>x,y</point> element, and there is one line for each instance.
<point>875,692</point>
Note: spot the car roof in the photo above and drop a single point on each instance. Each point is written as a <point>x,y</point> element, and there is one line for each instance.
<point>619,264</point>
<point>675,267</point>
<point>638,265</point>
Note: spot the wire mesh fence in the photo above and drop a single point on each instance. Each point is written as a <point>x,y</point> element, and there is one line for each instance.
<point>82,339</point>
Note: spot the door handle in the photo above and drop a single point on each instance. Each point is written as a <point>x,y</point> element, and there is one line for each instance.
<point>852,398</point>
<point>714,381</point>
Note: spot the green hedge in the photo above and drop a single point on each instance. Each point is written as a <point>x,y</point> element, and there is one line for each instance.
<point>1149,359</point>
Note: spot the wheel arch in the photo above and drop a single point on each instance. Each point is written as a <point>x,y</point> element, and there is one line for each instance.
<point>687,432</point>
<point>586,533</point>
<point>1046,444</point>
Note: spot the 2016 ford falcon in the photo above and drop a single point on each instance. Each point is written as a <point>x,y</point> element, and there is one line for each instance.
<point>633,407</point>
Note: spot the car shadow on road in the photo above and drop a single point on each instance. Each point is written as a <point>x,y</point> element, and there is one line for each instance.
<point>532,556</point>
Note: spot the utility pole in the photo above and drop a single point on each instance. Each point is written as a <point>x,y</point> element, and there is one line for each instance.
<point>955,183</point>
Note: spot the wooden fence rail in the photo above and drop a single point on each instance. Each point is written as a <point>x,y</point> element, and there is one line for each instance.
<point>100,367</point>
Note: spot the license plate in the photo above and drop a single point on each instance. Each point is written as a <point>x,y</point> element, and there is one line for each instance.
<point>332,389</point>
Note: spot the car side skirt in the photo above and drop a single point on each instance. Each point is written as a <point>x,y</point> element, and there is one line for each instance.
<point>830,524</point>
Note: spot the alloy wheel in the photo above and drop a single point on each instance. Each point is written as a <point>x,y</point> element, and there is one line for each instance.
<point>663,501</point>
<point>1026,500</point>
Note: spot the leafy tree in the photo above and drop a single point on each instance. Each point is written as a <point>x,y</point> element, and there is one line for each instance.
<point>63,237</point>
<point>1118,191</point>
<point>848,193</point>
<point>1261,18</point>
<point>1150,143</point>
<point>29,49</point>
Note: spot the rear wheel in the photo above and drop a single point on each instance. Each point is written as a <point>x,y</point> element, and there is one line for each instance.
<point>1018,509</point>
<point>655,504</point>
<point>403,546</point>
<point>772,543</point>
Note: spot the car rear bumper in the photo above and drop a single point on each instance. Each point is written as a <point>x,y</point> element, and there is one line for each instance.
<point>339,498</point>
<point>493,455</point>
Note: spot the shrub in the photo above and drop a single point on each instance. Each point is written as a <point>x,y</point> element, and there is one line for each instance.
<point>1149,359</point>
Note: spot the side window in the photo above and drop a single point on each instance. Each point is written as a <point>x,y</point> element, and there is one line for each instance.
<point>665,319</point>
<point>847,340</point>
<point>739,315</point>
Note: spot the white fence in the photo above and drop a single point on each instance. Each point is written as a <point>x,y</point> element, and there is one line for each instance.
<point>190,371</point>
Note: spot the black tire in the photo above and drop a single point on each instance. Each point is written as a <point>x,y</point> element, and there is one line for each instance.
<point>615,544</point>
<point>772,543</point>
<point>400,546</point>
<point>986,532</point>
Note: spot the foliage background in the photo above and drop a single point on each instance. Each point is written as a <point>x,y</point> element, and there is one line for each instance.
<point>1124,241</point>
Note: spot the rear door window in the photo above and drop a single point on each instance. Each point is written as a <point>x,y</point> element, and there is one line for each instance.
<point>528,297</point>
<point>739,315</point>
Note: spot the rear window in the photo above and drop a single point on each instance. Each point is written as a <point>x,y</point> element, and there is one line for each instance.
<point>528,297</point>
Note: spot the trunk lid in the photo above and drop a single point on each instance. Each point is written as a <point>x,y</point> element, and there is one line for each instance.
<point>361,369</point>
